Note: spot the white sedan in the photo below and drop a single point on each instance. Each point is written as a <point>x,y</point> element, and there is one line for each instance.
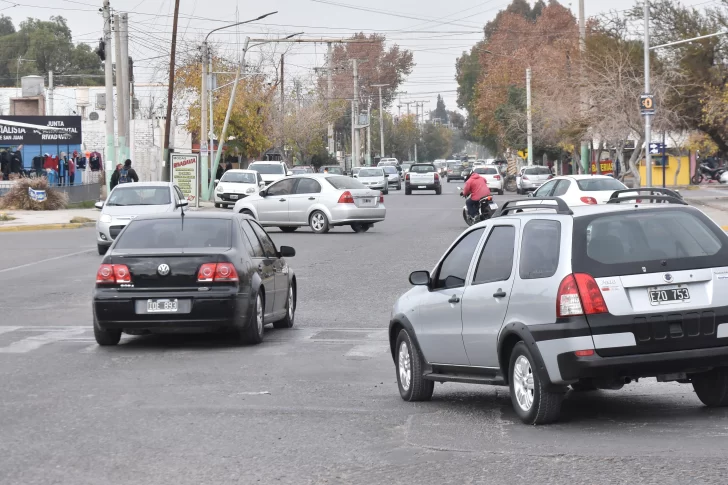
<point>235,185</point>
<point>578,190</point>
<point>492,177</point>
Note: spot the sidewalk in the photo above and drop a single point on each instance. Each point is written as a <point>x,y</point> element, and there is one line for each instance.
<point>38,220</point>
<point>715,208</point>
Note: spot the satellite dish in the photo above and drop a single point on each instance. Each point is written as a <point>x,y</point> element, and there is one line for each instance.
<point>93,116</point>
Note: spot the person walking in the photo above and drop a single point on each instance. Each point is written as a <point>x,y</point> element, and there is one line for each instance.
<point>115,176</point>
<point>127,174</point>
<point>220,171</point>
<point>71,171</point>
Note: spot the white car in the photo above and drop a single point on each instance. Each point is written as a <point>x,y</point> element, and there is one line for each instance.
<point>388,161</point>
<point>578,190</point>
<point>374,178</point>
<point>235,185</point>
<point>492,177</point>
<point>270,171</point>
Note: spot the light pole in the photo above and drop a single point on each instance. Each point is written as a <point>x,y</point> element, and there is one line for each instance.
<point>204,148</point>
<point>648,117</point>
<point>381,118</point>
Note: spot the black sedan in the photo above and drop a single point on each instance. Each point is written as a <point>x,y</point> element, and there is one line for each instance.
<point>193,273</point>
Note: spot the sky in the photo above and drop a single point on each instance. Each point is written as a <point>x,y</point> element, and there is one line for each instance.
<point>436,31</point>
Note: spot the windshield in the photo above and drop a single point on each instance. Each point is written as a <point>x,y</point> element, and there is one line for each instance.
<point>370,172</point>
<point>390,169</point>
<point>454,164</point>
<point>239,178</point>
<point>422,168</point>
<point>126,196</point>
<point>268,168</point>
<point>343,183</point>
<point>334,170</point>
<point>486,171</point>
<point>300,170</point>
<point>176,234</point>
<point>600,184</point>
<point>537,171</point>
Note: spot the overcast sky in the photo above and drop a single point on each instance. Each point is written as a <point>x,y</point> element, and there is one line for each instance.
<point>436,31</point>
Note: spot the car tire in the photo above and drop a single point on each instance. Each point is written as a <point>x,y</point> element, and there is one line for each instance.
<point>319,222</point>
<point>438,191</point>
<point>252,334</point>
<point>287,322</point>
<point>712,387</point>
<point>217,206</point>
<point>288,229</point>
<point>584,385</point>
<point>102,249</point>
<point>448,180</point>
<point>412,386</point>
<point>697,179</point>
<point>500,192</point>
<point>531,401</point>
<point>399,186</point>
<point>106,338</point>
<point>360,227</point>
<point>407,191</point>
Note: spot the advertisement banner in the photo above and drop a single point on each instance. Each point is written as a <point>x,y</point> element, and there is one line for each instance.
<point>184,174</point>
<point>607,167</point>
<point>37,195</point>
<point>69,130</point>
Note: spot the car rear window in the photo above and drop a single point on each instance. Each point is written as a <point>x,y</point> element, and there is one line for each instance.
<point>370,172</point>
<point>538,171</point>
<point>344,183</point>
<point>600,184</point>
<point>540,249</point>
<point>647,241</point>
<point>268,168</point>
<point>176,234</point>
<point>239,177</point>
<point>422,169</point>
<point>486,171</point>
<point>390,169</point>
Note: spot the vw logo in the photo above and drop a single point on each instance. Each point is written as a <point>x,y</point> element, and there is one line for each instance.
<point>668,277</point>
<point>163,270</point>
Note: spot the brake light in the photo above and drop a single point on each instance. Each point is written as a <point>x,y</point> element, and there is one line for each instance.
<point>110,274</point>
<point>217,273</point>
<point>346,198</point>
<point>525,178</point>
<point>406,177</point>
<point>381,198</point>
<point>591,295</point>
<point>584,353</point>
<point>579,294</point>
<point>437,177</point>
<point>589,200</point>
<point>496,177</point>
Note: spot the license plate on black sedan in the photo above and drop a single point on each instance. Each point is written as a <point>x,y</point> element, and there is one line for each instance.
<point>162,306</point>
<point>669,294</point>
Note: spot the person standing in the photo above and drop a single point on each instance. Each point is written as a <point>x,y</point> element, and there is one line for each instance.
<point>115,177</point>
<point>128,174</point>
<point>71,171</point>
<point>16,160</point>
<point>220,171</point>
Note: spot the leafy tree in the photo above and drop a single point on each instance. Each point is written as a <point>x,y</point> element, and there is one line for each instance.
<point>436,142</point>
<point>440,112</point>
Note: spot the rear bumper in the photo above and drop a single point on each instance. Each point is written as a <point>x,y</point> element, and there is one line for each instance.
<point>412,186</point>
<point>341,216</point>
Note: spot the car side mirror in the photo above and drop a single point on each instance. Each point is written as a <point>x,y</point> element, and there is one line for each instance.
<point>99,205</point>
<point>217,181</point>
<point>530,194</point>
<point>420,278</point>
<point>286,252</point>
<point>289,173</point>
<point>261,184</point>
<point>263,193</point>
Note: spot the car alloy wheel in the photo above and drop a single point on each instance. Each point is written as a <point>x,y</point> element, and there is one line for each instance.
<point>404,366</point>
<point>319,223</point>
<point>523,383</point>
<point>291,307</point>
<point>259,315</point>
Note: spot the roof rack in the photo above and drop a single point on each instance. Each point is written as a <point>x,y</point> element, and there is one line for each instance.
<point>560,207</point>
<point>654,194</point>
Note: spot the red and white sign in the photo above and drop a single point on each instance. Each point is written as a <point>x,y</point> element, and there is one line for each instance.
<point>184,173</point>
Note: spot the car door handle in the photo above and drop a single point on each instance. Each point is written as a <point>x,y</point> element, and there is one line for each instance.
<point>454,299</point>
<point>312,198</point>
<point>281,200</point>
<point>499,294</point>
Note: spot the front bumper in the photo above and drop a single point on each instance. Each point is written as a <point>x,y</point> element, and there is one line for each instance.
<point>106,232</point>
<point>229,197</point>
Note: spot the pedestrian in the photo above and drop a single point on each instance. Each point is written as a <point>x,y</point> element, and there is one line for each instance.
<point>228,166</point>
<point>71,171</point>
<point>62,168</point>
<point>16,160</point>
<point>4,164</point>
<point>128,174</point>
<point>115,176</point>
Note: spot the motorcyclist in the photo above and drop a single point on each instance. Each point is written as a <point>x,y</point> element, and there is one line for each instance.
<point>476,187</point>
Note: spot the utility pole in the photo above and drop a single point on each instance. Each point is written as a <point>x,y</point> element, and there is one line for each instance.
<point>353,134</point>
<point>648,118</point>
<point>167,173</point>
<point>381,119</point>
<point>283,105</point>
<point>355,63</point>
<point>50,93</point>
<point>109,81</point>
<point>204,160</point>
<point>120,132</point>
<point>330,94</point>
<point>529,124</point>
<point>124,34</point>
<point>584,100</point>
<point>369,132</point>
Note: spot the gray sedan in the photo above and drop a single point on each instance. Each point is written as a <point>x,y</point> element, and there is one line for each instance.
<point>320,201</point>
<point>393,177</point>
<point>128,201</point>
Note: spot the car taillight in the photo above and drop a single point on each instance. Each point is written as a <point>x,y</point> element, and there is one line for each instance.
<point>496,177</point>
<point>110,274</point>
<point>346,198</point>
<point>584,353</point>
<point>381,198</point>
<point>589,200</point>
<point>579,294</point>
<point>437,177</point>
<point>217,273</point>
<point>525,178</point>
<point>406,177</point>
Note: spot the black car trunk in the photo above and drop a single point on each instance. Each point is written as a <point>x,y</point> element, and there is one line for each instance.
<point>163,270</point>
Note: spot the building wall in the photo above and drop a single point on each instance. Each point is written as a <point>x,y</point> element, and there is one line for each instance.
<point>682,179</point>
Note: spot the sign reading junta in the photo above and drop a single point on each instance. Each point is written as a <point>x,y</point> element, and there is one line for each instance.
<point>66,130</point>
<point>184,174</point>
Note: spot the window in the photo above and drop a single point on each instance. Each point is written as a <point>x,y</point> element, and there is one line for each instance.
<point>600,184</point>
<point>454,267</point>
<point>562,188</point>
<point>284,187</point>
<point>144,195</point>
<point>422,169</point>
<point>308,186</point>
<point>268,168</point>
<point>343,183</point>
<point>545,189</point>
<point>486,171</point>
<point>333,170</point>
<point>172,234</point>
<point>496,259</point>
<point>268,247</point>
<point>257,248</point>
<point>260,178</point>
<point>540,249</point>
<point>538,171</point>
<point>390,169</point>
<point>370,172</point>
<point>239,177</point>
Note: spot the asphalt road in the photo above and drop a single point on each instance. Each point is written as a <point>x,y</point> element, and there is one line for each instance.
<point>314,404</point>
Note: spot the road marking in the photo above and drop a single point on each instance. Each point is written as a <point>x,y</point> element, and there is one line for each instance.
<point>45,260</point>
<point>38,341</point>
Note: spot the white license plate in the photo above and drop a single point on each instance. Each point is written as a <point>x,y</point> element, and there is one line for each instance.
<point>233,197</point>
<point>665,295</point>
<point>421,186</point>
<point>493,206</point>
<point>162,306</point>
<point>366,202</point>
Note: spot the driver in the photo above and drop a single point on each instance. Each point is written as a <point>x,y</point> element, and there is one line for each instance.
<point>476,187</point>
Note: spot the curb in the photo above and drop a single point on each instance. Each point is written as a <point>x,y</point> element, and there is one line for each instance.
<point>45,227</point>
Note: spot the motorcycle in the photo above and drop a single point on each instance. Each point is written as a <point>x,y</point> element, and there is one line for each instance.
<point>704,172</point>
<point>486,209</point>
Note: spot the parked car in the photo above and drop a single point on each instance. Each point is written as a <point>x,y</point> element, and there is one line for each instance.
<point>591,297</point>
<point>320,201</point>
<point>531,178</point>
<point>394,179</point>
<point>332,169</point>
<point>235,185</point>
<point>492,176</point>
<point>422,176</point>
<point>455,170</point>
<point>270,171</point>
<point>201,271</point>
<point>578,190</point>
<point>126,202</point>
<point>374,178</point>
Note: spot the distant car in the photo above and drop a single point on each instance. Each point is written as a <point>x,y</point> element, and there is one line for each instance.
<point>441,166</point>
<point>455,170</point>
<point>197,272</point>
<point>301,169</point>
<point>405,167</point>
<point>126,202</point>
<point>374,178</point>
<point>332,169</point>
<point>393,177</point>
<point>422,176</point>
<point>270,171</point>
<point>393,162</point>
<point>578,190</point>
<point>235,185</point>
<point>320,201</point>
<point>492,177</point>
<point>530,178</point>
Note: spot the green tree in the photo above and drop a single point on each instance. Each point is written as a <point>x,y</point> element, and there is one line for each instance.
<point>440,112</point>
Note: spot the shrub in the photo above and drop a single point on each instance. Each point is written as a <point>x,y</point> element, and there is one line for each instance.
<point>18,197</point>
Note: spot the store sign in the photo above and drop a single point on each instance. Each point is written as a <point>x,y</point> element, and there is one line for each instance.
<point>184,174</point>
<point>68,130</point>
<point>607,167</point>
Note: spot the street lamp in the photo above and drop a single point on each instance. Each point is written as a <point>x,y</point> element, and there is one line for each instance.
<point>205,93</point>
